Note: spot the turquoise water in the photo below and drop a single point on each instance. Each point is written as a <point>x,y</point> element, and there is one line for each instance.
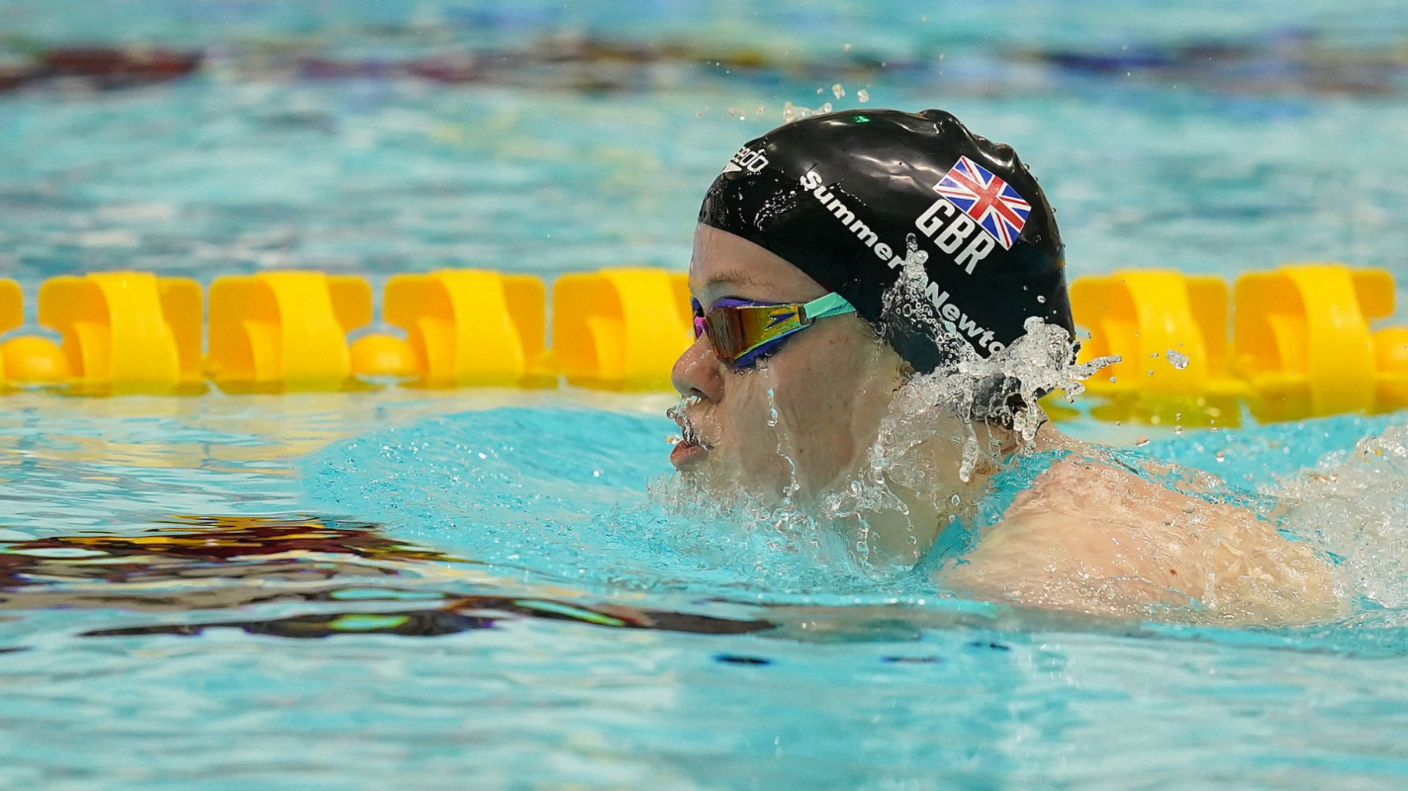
<point>187,605</point>
<point>473,589</point>
<point>1212,138</point>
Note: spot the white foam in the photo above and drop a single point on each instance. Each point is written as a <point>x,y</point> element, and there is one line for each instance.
<point>1355,506</point>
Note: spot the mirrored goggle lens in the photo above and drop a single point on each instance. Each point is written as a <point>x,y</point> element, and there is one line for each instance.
<point>734,331</point>
<point>726,333</point>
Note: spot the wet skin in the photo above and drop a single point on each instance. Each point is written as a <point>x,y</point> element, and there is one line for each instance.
<point>1085,537</point>
<point>830,384</point>
<point>1093,538</point>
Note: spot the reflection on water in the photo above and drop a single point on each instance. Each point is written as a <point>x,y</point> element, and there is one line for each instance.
<point>213,432</point>
<point>1273,62</point>
<point>221,562</point>
<point>356,580</point>
<point>176,433</point>
<point>460,614</point>
<point>460,636</point>
<point>359,581</point>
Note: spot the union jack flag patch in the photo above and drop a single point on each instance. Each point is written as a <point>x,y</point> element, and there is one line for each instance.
<point>990,201</point>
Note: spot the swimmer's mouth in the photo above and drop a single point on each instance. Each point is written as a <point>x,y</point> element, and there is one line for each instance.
<point>690,448</point>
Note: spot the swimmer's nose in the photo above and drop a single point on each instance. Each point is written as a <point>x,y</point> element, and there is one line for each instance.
<point>696,372</point>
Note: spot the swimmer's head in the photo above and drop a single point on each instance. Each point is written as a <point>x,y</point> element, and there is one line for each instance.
<point>849,197</point>
<point>849,203</point>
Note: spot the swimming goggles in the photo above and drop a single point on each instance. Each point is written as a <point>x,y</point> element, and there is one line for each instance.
<point>742,331</point>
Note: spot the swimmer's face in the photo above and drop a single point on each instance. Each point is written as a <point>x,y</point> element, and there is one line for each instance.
<point>803,417</point>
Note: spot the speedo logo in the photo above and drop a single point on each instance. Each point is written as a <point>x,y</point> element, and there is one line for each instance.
<point>812,181</point>
<point>746,159</point>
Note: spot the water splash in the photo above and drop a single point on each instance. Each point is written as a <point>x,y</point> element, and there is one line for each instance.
<point>1355,507</point>
<point>679,413</point>
<point>792,112</point>
<point>934,414</point>
<point>783,435</point>
<point>1002,388</point>
<point>778,542</point>
<point>940,430</point>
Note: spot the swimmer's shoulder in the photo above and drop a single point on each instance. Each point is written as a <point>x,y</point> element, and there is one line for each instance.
<point>1090,534</point>
<point>1064,543</point>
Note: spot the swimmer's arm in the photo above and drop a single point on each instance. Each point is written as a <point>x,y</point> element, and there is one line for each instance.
<point>1096,540</point>
<point>1063,564</point>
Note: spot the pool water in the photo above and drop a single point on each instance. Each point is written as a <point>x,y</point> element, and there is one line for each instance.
<point>489,594</point>
<point>450,589</point>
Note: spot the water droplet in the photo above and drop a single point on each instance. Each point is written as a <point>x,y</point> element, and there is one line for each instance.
<point>1140,442</point>
<point>1178,429</point>
<point>863,95</point>
<point>1177,360</point>
<point>1219,454</point>
<point>1041,299</point>
<point>955,500</point>
<point>838,91</point>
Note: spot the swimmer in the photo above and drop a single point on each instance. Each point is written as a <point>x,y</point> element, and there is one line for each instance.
<point>879,300</point>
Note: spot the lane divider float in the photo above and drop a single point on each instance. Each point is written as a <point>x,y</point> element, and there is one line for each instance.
<point>125,332</point>
<point>1300,344</point>
<point>1295,342</point>
<point>620,328</point>
<point>1301,339</point>
<point>284,330</point>
<point>463,327</point>
<point>1145,314</point>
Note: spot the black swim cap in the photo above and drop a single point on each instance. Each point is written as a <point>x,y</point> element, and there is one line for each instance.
<point>849,197</point>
